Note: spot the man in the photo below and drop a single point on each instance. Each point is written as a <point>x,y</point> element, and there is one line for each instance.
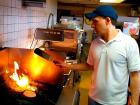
<point>113,57</point>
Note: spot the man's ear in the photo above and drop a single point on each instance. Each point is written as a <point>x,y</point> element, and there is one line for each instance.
<point>108,20</point>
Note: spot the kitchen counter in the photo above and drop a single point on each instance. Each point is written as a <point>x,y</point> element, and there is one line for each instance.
<point>68,96</point>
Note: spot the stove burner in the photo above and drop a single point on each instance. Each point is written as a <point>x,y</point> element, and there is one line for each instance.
<point>29,93</point>
<point>46,95</point>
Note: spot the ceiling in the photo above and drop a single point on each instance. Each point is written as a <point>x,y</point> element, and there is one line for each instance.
<point>80,1</point>
<point>135,2</point>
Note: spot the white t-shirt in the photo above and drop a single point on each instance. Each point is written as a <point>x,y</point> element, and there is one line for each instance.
<point>112,62</point>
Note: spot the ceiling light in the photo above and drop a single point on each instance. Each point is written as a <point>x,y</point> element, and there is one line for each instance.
<point>111,1</point>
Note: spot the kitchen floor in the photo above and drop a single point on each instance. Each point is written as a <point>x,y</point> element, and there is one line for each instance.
<point>83,86</point>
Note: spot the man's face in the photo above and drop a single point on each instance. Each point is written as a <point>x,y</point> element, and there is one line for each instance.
<point>99,25</point>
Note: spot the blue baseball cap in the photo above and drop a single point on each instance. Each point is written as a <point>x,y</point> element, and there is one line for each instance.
<point>103,10</point>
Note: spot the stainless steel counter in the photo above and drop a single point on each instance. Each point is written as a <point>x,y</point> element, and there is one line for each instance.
<point>69,96</point>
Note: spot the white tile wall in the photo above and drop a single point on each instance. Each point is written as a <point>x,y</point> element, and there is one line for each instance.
<point>1,20</point>
<point>1,30</point>
<point>1,10</point>
<point>13,3</point>
<point>17,24</point>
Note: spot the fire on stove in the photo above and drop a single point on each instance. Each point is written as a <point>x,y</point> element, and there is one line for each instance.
<point>28,79</point>
<point>19,82</point>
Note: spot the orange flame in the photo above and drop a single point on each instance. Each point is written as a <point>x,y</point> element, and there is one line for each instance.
<point>22,80</point>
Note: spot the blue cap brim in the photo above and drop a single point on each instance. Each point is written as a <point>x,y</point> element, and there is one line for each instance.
<point>90,15</point>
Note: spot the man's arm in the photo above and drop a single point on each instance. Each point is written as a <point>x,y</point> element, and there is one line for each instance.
<point>78,67</point>
<point>135,87</point>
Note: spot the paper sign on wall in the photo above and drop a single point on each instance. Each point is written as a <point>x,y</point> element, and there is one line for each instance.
<point>131,28</point>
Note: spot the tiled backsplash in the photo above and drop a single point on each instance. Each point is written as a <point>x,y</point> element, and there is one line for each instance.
<point>17,23</point>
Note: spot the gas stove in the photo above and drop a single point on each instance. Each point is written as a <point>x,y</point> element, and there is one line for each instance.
<point>48,95</point>
<point>44,74</point>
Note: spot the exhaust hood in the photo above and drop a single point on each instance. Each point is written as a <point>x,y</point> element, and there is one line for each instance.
<point>34,3</point>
